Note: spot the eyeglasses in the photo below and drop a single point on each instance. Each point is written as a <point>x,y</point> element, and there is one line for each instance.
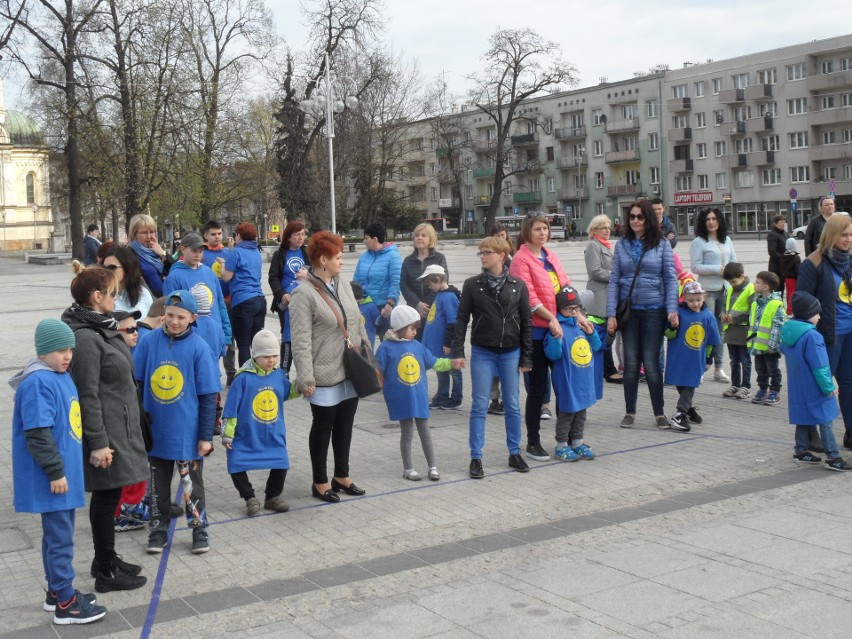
<point>640,217</point>
<point>113,267</point>
<point>485,253</point>
<point>130,330</point>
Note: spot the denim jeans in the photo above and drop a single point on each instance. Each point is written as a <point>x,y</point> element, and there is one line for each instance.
<point>642,338</point>
<point>443,392</point>
<point>768,367</point>
<point>826,433</point>
<point>740,366</point>
<point>249,317</point>
<point>716,303</point>
<point>839,355</point>
<point>486,364</point>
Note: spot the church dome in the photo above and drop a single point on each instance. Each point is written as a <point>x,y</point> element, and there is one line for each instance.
<point>22,130</point>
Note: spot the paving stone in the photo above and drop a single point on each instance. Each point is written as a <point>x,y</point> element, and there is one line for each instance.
<point>491,543</point>
<point>110,624</point>
<point>581,523</point>
<point>662,506</point>
<point>392,563</point>
<point>443,553</point>
<point>698,497</point>
<point>13,540</point>
<point>532,534</point>
<point>168,610</point>
<point>337,576</point>
<point>220,599</point>
<point>623,515</point>
<point>279,588</point>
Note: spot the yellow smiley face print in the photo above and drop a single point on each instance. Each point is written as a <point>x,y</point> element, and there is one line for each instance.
<point>75,418</point>
<point>843,293</point>
<point>694,336</point>
<point>265,406</point>
<point>217,268</point>
<point>554,280</point>
<point>408,370</point>
<point>581,352</point>
<point>430,317</point>
<point>166,383</point>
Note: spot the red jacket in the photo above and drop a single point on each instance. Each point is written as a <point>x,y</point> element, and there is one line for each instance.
<point>542,289</point>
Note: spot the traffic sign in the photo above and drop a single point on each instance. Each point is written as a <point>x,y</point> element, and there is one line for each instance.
<point>793,206</point>
<point>793,194</point>
<point>515,210</point>
<point>274,228</point>
<point>831,194</point>
<point>832,185</point>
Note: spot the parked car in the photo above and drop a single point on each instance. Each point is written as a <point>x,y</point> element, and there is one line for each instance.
<point>799,231</point>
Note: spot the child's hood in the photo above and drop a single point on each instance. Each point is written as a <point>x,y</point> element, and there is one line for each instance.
<point>775,295</point>
<point>30,367</point>
<point>249,366</point>
<point>570,321</point>
<point>792,331</point>
<point>451,289</point>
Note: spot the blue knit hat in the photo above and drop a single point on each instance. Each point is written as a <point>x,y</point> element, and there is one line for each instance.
<point>53,335</point>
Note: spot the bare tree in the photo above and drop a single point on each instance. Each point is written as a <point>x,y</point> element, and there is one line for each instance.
<point>520,64</point>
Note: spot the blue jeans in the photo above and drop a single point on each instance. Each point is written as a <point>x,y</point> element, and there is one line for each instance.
<point>826,433</point>
<point>839,355</point>
<point>57,552</point>
<point>642,339</point>
<point>443,392</point>
<point>740,366</point>
<point>485,365</point>
<point>716,303</point>
<point>249,317</point>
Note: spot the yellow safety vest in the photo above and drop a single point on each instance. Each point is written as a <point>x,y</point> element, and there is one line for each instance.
<point>760,338</point>
<point>742,302</point>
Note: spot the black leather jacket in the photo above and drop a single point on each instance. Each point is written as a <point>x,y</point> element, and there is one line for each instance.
<point>498,322</point>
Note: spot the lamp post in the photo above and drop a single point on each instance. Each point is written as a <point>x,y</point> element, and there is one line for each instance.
<point>579,160</point>
<point>327,103</point>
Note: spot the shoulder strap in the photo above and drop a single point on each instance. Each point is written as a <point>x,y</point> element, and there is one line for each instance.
<point>636,273</point>
<point>336,314</point>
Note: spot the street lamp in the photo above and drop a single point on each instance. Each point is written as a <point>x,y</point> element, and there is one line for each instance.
<point>326,102</point>
<point>579,160</point>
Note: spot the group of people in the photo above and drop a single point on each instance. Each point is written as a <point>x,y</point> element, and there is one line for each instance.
<point>107,409</point>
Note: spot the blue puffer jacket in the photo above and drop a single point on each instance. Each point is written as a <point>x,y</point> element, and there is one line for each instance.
<point>656,286</point>
<point>378,272</point>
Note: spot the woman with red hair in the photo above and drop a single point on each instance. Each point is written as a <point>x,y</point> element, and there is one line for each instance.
<point>248,304</point>
<point>315,308</point>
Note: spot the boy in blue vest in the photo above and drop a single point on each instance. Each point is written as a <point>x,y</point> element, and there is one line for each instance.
<point>47,465</point>
<point>175,370</point>
<point>812,396</point>
<point>735,328</point>
<point>573,376</point>
<point>438,334</point>
<point>690,345</point>
<point>766,318</point>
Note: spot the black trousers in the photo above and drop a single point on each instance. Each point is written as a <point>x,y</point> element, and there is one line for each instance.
<point>102,518</point>
<point>162,471</point>
<point>274,483</point>
<point>331,424</point>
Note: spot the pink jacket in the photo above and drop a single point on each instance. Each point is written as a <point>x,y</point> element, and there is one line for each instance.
<point>529,269</point>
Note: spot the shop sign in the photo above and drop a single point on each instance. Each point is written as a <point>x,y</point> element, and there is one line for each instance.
<point>700,197</point>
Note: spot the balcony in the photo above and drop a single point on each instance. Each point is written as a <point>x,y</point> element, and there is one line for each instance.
<point>829,81</point>
<point>530,197</point>
<point>525,140</point>
<point>623,189</point>
<point>482,146</point>
<point>483,173</point>
<point>758,125</point>
<point>829,116</point>
<point>568,195</point>
<point>570,133</point>
<point>680,135</point>
<point>759,92</point>
<point>732,96</point>
<point>614,157</point>
<point>681,166</point>
<point>614,126</point>
<point>528,167</point>
<point>761,158</point>
<point>445,152</point>
<point>570,161</point>
<point>445,177</point>
<point>830,152</point>
<point>735,128</point>
<point>738,161</point>
<point>448,203</point>
<point>678,105</point>
<point>481,200</point>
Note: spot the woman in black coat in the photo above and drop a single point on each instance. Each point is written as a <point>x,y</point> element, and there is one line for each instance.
<point>776,242</point>
<point>416,292</point>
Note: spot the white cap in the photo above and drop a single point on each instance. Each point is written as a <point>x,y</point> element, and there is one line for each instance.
<point>433,269</point>
<point>403,316</point>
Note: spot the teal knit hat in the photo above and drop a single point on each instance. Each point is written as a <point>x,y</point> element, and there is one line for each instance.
<point>53,335</point>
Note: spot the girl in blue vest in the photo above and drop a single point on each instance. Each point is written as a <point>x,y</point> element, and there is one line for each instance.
<point>255,435</point>
<point>404,362</point>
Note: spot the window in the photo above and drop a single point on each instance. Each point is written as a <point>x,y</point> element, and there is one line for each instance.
<point>434,193</point>
<point>700,120</point>
<point>679,91</point>
<point>551,185</point>
<point>768,109</point>
<point>767,76</point>
<point>699,89</point>
<point>680,121</point>
<point>433,170</point>
<point>720,148</point>
<point>577,120</point>
<point>599,180</point>
<point>580,181</point>
<point>847,172</point>
<point>630,143</point>
<point>800,174</point>
<point>743,145</point>
<point>652,108</point>
<point>770,177</point>
<point>681,152</point>
<point>507,187</point>
<point>577,150</point>
<point>797,106</point>
<point>600,208</point>
<point>740,80</point>
<point>628,111</point>
<point>701,149</point>
<point>743,179</point>
<point>30,188</point>
<point>829,173</point>
<point>721,181</point>
<point>770,143</point>
<point>597,114</point>
<point>549,153</point>
<point>683,183</point>
<point>845,64</point>
<point>796,71</point>
<point>827,102</point>
<point>703,182</point>
<point>631,177</point>
<point>846,99</point>
<point>847,135</point>
<point>826,66</point>
<point>468,190</point>
<point>742,113</point>
<point>653,141</point>
<point>598,148</point>
<point>548,126</point>
<point>799,140</point>
<point>718,117</point>
<point>829,137</point>
<point>717,85</point>
<point>654,175</point>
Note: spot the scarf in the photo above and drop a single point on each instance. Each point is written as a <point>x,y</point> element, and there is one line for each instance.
<point>840,262</point>
<point>496,282</point>
<point>100,320</point>
<point>606,243</point>
<point>147,255</point>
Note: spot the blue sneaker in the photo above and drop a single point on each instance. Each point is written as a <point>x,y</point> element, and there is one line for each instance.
<point>78,611</point>
<point>141,511</point>
<point>584,452</point>
<point>772,399</point>
<point>50,599</point>
<point>759,396</point>
<point>124,523</point>
<point>566,453</point>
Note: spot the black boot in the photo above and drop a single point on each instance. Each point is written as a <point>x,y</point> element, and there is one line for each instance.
<point>815,443</point>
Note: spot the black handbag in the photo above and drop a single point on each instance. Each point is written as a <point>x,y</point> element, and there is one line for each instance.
<point>622,311</point>
<point>361,365</point>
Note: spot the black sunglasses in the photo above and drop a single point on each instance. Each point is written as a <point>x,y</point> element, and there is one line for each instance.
<point>129,329</point>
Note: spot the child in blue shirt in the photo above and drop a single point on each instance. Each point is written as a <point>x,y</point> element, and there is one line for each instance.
<point>812,392</point>
<point>47,465</point>
<point>404,362</point>
<point>573,376</point>
<point>255,436</point>
<point>690,344</point>
<point>438,334</point>
<point>180,383</point>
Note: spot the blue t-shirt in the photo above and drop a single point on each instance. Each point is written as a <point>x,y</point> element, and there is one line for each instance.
<point>209,259</point>
<point>843,306</point>
<point>294,261</point>
<point>406,389</point>
<point>687,351</point>
<point>47,399</point>
<point>442,313</point>
<point>260,441</point>
<point>174,373</point>
<point>245,263</point>
<point>539,332</point>
<point>181,277</point>
<point>210,332</point>
<point>573,369</point>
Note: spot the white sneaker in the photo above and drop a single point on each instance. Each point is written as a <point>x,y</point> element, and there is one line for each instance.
<point>743,393</point>
<point>719,376</point>
<point>434,475</point>
<point>412,475</point>
<point>730,392</point>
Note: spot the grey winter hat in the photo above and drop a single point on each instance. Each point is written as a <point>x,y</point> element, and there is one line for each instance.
<point>403,316</point>
<point>790,245</point>
<point>265,344</point>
